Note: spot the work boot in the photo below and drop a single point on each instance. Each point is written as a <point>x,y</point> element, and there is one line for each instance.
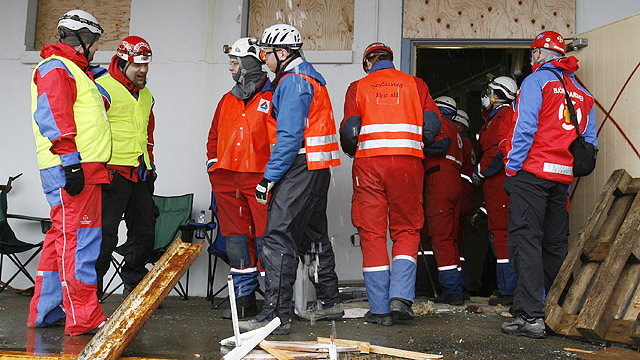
<point>326,312</point>
<point>520,325</point>
<point>401,309</point>
<point>253,324</point>
<point>504,300</point>
<point>380,319</point>
<point>456,300</point>
<point>246,306</point>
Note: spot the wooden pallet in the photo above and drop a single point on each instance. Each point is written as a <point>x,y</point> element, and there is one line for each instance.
<point>602,302</point>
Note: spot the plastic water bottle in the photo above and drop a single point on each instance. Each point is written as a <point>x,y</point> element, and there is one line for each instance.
<point>201,219</point>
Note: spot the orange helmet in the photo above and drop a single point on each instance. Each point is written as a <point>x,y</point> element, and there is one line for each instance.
<point>373,48</point>
<point>549,40</point>
<point>134,49</point>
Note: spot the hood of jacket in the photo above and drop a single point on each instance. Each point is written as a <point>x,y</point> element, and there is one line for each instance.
<point>65,51</point>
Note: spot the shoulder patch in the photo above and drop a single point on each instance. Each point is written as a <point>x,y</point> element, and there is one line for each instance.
<point>264,106</point>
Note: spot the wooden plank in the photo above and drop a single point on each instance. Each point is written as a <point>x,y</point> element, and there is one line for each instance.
<point>598,249</point>
<point>323,24</point>
<point>15,355</point>
<point>273,350</point>
<point>634,306</point>
<point>624,289</point>
<point>311,346</point>
<point>403,353</point>
<point>635,332</point>
<point>579,288</point>
<point>612,353</point>
<point>363,346</point>
<point>619,331</point>
<point>554,318</point>
<point>619,179</point>
<point>263,355</point>
<point>633,188</point>
<point>593,320</point>
<point>486,19</point>
<point>123,325</point>
<point>113,16</point>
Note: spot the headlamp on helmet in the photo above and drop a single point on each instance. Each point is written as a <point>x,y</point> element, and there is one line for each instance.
<point>245,47</point>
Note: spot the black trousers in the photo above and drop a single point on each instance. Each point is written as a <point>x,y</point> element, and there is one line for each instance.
<point>134,200</point>
<point>297,225</point>
<point>537,239</point>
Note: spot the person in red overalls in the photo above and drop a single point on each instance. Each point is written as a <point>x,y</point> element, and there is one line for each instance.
<point>238,149</point>
<point>461,121</point>
<point>443,162</point>
<point>73,139</point>
<point>497,113</point>
<point>388,115</point>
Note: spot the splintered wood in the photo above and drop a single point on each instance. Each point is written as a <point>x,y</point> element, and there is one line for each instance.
<point>288,350</point>
<point>111,341</point>
<point>599,277</point>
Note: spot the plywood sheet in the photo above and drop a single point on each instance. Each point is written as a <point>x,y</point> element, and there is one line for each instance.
<point>113,16</point>
<point>486,19</point>
<point>323,24</point>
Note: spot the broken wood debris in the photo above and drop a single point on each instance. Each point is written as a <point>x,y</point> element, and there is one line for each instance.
<point>600,273</point>
<point>288,350</point>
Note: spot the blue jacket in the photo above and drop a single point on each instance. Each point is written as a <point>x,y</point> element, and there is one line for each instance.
<point>291,104</point>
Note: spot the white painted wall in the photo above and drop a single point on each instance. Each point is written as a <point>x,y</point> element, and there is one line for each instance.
<point>591,14</point>
<point>187,78</point>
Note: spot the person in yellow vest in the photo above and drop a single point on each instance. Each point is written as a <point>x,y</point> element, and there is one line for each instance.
<point>388,118</point>
<point>73,142</point>
<point>132,173</point>
<point>297,175</point>
<point>238,148</point>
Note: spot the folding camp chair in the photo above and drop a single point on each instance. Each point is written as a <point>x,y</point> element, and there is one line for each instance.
<point>173,222</point>
<point>10,246</point>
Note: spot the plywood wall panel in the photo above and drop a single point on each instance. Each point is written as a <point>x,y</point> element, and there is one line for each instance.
<point>605,66</point>
<point>486,19</point>
<point>323,24</point>
<point>113,16</point>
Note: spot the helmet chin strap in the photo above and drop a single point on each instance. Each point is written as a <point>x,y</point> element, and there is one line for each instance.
<point>85,48</point>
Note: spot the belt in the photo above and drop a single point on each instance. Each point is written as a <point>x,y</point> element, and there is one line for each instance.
<point>432,170</point>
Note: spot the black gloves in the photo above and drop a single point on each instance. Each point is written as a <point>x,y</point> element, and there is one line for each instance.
<point>75,179</point>
<point>262,190</point>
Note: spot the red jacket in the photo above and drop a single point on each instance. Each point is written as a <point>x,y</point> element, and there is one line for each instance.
<point>492,136</point>
<point>452,156</point>
<point>542,130</point>
<point>240,135</point>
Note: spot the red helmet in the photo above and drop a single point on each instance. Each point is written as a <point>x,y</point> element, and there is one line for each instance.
<point>134,49</point>
<point>374,47</point>
<point>549,40</point>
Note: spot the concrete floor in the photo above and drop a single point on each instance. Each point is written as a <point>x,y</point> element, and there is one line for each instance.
<point>191,329</point>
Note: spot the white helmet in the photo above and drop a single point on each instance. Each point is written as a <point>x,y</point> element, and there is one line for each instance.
<point>281,36</point>
<point>446,104</point>
<point>78,19</point>
<point>245,47</point>
<point>506,85</point>
<point>462,118</point>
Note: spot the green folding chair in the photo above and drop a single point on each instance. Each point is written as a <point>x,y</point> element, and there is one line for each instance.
<point>173,222</point>
<point>11,246</point>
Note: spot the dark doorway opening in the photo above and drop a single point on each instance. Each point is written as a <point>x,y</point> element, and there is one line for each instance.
<point>463,72</point>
